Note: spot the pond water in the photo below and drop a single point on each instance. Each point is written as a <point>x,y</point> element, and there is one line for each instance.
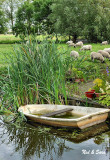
<point>67,115</point>
<point>36,142</point>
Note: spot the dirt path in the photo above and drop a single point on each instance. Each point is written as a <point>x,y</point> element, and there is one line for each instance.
<point>84,87</point>
<point>75,89</point>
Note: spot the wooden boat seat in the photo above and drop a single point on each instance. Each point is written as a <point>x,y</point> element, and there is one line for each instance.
<point>57,112</point>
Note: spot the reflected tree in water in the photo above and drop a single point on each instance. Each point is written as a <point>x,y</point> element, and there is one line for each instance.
<point>32,142</point>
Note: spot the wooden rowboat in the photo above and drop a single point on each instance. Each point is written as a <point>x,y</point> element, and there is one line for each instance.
<point>86,116</point>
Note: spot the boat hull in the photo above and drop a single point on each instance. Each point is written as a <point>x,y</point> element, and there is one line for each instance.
<point>90,116</point>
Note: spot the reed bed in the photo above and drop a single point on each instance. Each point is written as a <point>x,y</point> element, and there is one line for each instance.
<point>35,74</point>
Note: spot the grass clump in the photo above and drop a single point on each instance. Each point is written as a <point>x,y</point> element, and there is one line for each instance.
<point>36,74</point>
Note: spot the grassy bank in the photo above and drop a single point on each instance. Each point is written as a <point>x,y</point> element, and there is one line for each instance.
<point>36,73</point>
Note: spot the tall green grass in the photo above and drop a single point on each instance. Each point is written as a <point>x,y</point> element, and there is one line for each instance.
<point>36,74</point>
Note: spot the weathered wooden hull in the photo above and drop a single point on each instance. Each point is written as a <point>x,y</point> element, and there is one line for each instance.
<point>90,116</point>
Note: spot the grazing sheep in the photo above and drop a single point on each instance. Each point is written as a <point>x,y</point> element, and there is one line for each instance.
<point>79,44</point>
<point>98,56</point>
<point>104,54</point>
<point>107,50</point>
<point>86,47</point>
<point>69,42</point>
<point>27,42</point>
<point>74,54</point>
<point>104,43</point>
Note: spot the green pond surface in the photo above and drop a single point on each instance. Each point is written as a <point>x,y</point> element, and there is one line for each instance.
<point>36,142</point>
<point>65,116</point>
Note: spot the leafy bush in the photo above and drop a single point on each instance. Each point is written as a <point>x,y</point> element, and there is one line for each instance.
<point>105,100</point>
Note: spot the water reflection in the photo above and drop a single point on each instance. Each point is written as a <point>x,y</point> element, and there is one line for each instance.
<point>32,143</point>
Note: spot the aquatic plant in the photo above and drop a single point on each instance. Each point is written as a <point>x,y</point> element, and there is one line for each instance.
<point>36,74</point>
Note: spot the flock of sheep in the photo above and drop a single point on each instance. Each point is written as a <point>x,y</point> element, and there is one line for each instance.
<point>100,55</point>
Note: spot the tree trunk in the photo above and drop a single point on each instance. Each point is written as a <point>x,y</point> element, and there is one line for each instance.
<point>11,15</point>
<point>12,24</point>
<point>56,38</point>
<point>74,38</point>
<point>69,37</point>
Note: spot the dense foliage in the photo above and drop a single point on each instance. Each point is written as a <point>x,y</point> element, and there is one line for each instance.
<point>33,18</point>
<point>88,18</point>
<point>24,19</point>
<point>68,17</point>
<point>85,18</point>
<point>3,21</point>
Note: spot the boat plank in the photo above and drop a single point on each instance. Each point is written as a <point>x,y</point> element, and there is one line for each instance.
<point>57,112</point>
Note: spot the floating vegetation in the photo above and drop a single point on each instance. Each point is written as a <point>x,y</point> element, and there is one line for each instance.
<point>44,130</point>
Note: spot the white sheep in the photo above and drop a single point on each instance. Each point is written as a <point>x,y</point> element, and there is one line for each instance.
<point>69,42</point>
<point>86,47</point>
<point>27,42</point>
<point>104,43</point>
<point>98,56</point>
<point>79,44</point>
<point>74,54</point>
<point>104,54</point>
<point>107,50</point>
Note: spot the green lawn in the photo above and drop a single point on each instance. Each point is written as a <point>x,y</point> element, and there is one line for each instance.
<point>5,51</point>
<point>9,39</point>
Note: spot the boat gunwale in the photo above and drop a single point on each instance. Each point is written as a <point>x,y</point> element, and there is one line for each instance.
<point>88,116</point>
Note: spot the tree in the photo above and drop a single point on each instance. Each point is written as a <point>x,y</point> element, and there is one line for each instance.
<point>68,17</point>
<point>89,18</point>
<point>32,17</point>
<point>1,2</point>
<point>3,21</point>
<point>97,25</point>
<point>41,13</point>
<point>24,19</point>
<point>10,7</point>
